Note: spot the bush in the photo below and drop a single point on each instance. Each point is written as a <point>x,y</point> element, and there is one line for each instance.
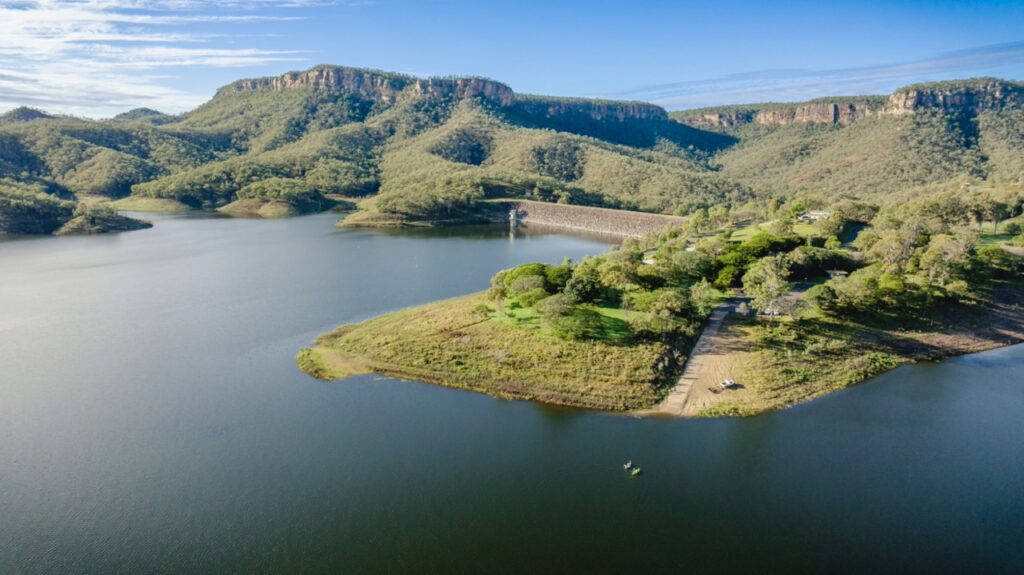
<point>822,296</point>
<point>525,284</point>
<point>581,323</point>
<point>583,287</point>
<point>1012,228</point>
<point>531,297</point>
<point>530,269</point>
<point>666,303</point>
<point>727,277</point>
<point>558,276</point>
<point>558,305</point>
<point>649,327</point>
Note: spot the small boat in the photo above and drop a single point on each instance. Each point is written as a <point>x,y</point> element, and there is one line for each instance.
<point>635,471</point>
<point>628,465</point>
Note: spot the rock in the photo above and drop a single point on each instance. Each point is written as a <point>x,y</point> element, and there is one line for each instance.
<point>954,97</point>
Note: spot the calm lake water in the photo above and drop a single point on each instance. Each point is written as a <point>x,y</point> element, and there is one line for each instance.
<point>152,420</point>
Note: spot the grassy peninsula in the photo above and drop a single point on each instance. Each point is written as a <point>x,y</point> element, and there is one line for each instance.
<point>813,302</point>
<point>467,343</point>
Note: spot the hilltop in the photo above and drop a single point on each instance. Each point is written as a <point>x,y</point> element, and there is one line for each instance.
<point>421,150</point>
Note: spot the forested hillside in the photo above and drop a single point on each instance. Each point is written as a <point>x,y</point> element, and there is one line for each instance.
<point>880,149</point>
<point>413,149</point>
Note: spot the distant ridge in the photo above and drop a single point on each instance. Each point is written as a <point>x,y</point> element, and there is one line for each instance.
<point>24,114</point>
<point>956,96</point>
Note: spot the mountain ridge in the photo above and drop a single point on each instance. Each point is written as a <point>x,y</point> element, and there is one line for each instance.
<point>424,149</point>
<point>971,95</point>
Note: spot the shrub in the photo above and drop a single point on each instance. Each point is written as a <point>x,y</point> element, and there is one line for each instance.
<point>727,277</point>
<point>525,284</point>
<point>583,287</point>
<point>581,323</point>
<point>558,305</point>
<point>530,269</point>
<point>531,297</point>
<point>558,276</point>
<point>648,327</point>
<point>822,296</point>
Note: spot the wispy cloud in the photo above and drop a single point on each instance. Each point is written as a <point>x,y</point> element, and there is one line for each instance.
<point>93,57</point>
<point>796,85</point>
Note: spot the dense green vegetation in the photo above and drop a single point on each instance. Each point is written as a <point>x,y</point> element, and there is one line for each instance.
<point>423,151</point>
<point>913,280</point>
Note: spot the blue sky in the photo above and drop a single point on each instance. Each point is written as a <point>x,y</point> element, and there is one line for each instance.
<point>99,57</point>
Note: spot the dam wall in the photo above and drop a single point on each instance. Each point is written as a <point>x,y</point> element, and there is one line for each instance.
<point>598,220</point>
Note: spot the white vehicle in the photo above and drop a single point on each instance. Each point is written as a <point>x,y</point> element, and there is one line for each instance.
<point>728,384</point>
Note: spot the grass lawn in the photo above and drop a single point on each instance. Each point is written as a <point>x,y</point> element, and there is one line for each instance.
<point>801,229</point>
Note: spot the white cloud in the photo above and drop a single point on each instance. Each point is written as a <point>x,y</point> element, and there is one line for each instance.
<point>799,85</point>
<point>97,57</point>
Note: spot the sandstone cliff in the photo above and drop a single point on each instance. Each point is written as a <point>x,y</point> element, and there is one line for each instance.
<point>389,88</point>
<point>971,96</point>
<point>377,86</point>
<point>600,110</point>
<point>968,96</point>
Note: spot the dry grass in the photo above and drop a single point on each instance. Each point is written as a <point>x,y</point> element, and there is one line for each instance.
<point>784,364</point>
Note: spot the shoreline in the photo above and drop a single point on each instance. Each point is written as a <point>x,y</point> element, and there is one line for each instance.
<point>329,359</point>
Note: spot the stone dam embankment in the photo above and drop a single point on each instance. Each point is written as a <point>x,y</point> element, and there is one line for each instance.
<point>597,220</point>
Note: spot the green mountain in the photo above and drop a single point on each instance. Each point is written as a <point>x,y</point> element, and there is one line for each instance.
<point>877,148</point>
<point>431,149</point>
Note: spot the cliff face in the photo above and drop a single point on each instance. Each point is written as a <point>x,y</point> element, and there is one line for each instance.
<point>389,88</point>
<point>841,113</point>
<point>969,97</point>
<point>957,97</point>
<point>599,110</point>
<point>378,86</point>
<point>821,113</point>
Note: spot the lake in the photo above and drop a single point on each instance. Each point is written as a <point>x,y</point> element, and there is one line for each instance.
<point>152,420</point>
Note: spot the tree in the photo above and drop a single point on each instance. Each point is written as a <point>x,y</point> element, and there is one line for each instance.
<point>619,269</point>
<point>702,298</point>
<point>584,285</point>
<point>946,257</point>
<point>690,265</point>
<point>699,221</point>
<point>996,211</point>
<point>766,283</point>
<point>719,215</point>
<point>782,226</point>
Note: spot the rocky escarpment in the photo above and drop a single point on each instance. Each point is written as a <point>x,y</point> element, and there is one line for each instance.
<point>377,86</point>
<point>817,113</point>
<point>958,97</point>
<point>598,110</point>
<point>837,113</point>
<point>389,88</point>
<point>971,96</point>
